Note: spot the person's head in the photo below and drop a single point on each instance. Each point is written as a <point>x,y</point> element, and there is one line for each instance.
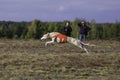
<point>67,23</point>
<point>82,23</point>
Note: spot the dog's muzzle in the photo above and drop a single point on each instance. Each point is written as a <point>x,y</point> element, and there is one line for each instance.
<point>42,38</point>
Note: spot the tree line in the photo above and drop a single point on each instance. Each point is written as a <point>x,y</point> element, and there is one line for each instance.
<point>36,28</point>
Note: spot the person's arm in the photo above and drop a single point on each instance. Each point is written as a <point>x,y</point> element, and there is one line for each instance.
<point>88,28</point>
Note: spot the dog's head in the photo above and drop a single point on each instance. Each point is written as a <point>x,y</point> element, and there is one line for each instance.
<point>45,36</point>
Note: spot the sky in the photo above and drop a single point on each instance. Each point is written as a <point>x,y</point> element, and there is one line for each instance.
<point>60,10</point>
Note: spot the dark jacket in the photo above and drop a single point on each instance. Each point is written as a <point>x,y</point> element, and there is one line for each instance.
<point>84,29</point>
<point>67,30</point>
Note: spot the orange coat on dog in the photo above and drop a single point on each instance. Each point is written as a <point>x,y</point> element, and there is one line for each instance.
<point>62,38</point>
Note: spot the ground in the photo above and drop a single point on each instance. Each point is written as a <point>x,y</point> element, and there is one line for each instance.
<point>37,46</point>
<point>31,60</point>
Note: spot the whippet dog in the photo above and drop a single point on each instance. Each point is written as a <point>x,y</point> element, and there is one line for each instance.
<point>60,38</point>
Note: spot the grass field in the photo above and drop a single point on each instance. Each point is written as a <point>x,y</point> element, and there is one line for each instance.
<point>31,60</point>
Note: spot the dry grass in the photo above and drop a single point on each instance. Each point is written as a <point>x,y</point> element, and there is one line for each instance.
<point>30,60</point>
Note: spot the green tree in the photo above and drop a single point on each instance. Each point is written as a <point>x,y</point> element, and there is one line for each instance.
<point>35,30</point>
<point>116,31</point>
<point>93,31</point>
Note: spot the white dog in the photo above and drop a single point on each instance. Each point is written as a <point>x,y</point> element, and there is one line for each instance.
<point>60,38</point>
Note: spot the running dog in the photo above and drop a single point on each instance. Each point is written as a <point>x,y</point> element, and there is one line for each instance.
<point>60,38</point>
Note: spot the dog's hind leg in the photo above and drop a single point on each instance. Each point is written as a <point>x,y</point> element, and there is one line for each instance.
<point>82,46</point>
<point>85,50</point>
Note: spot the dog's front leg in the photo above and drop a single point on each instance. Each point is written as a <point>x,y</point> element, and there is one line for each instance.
<point>50,42</point>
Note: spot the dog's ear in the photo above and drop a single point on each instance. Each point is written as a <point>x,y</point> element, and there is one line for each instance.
<point>47,33</point>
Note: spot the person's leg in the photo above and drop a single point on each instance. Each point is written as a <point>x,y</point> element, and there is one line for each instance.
<point>82,37</point>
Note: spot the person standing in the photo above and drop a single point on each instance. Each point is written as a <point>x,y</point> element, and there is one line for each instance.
<point>84,29</point>
<point>67,29</point>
